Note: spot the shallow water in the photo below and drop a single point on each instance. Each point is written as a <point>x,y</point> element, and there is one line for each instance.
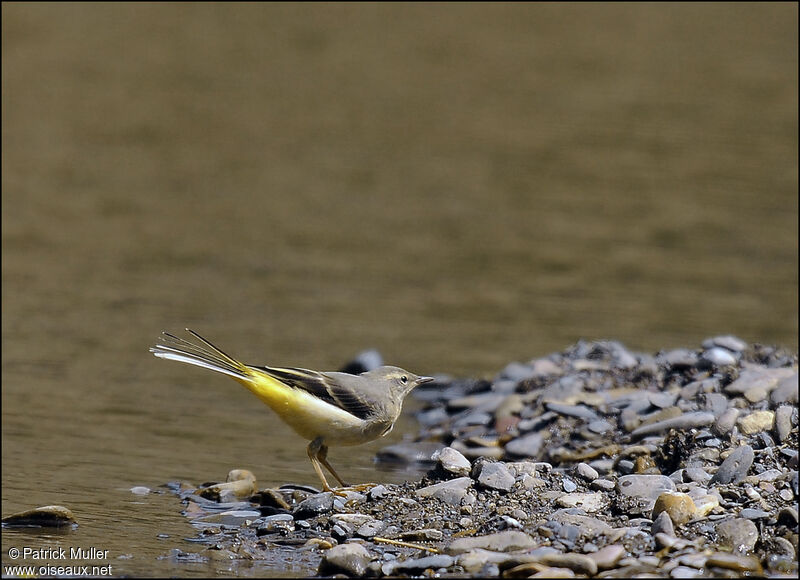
<point>458,187</point>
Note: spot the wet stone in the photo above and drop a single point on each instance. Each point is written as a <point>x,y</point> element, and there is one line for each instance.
<point>734,469</point>
<point>315,505</point>
<point>49,516</point>
<point>729,342</point>
<point>350,559</point>
<point>733,562</point>
<point>416,566</point>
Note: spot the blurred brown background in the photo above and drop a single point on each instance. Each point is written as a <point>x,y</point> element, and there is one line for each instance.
<point>457,185</point>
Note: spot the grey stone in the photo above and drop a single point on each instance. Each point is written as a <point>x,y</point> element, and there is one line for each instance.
<point>645,486</point>
<point>452,461</point>
<point>586,472</point>
<point>729,342</point>
<point>315,505</point>
<point>493,475</point>
<point>517,371</point>
<point>607,558</point>
<point>579,411</point>
<point>739,534</point>
<point>568,485</point>
<point>683,422</point>
<point>663,525</point>
<point>588,502</point>
<point>721,357</point>
<point>590,527</point>
<point>735,467</point>
<point>527,446</point>
<point>416,566</point>
<point>451,492</point>
<point>350,559</point>
<point>504,541</point>
<point>763,377</point>
<point>600,426</point>
<point>406,453</point>
<point>753,514</point>
<point>786,391</point>
<point>725,422</point>
<point>783,421</point>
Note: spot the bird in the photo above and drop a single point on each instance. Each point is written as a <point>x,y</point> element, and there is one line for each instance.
<point>326,408</point>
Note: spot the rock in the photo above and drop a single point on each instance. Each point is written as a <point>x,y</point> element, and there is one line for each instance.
<point>729,342</point>
<point>350,559</point>
<point>424,535</point>
<point>586,472</point>
<point>738,534</point>
<point>589,527</point>
<point>756,422</point>
<point>49,516</point>
<point>576,562</point>
<point>493,475</point>
<point>568,485</point>
<point>140,490</point>
<point>783,421</point>
<point>452,461</point>
<point>679,506</point>
<point>527,446</point>
<point>608,557</point>
<point>645,486</point>
<point>505,541</point>
<point>662,524</point>
<point>408,453</point>
<point>719,356</point>
<point>734,469</point>
<point>682,423</point>
<point>239,484</point>
<point>315,505</point>
<point>763,377</point>
<point>588,502</point>
<point>364,361</point>
<point>452,491</point>
<point>785,391</point>
<point>417,566</point>
<point>733,562</point>
<point>726,421</point>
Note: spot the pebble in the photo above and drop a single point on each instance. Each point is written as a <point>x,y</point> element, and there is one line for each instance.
<point>783,421</point>
<point>452,461</point>
<point>409,453</point>
<point>734,469</point>
<point>527,446</point>
<point>568,485</point>
<point>586,472</point>
<point>720,356</point>
<point>49,516</point>
<point>350,559</point>
<point>500,542</point>
<point>733,562</point>
<point>315,505</point>
<point>726,421</point>
<point>644,486</point>
<point>493,475</point>
<point>685,422</point>
<point>607,558</point>
<point>679,506</point>
<point>786,391</point>
<point>765,378</point>
<point>662,524</point>
<point>729,342</point>
<point>451,492</point>
<point>416,566</point>
<point>756,422</point>
<point>588,502</point>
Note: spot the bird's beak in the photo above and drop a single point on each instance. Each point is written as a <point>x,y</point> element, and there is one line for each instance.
<point>423,380</point>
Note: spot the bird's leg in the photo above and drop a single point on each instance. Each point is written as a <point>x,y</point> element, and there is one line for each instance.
<point>313,450</point>
<point>322,456</point>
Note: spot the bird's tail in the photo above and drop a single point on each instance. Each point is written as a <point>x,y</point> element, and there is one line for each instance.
<point>202,354</point>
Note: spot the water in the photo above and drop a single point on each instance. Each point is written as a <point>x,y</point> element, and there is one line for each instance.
<point>458,187</point>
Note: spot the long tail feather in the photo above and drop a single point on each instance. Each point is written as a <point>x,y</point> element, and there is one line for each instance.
<point>204,355</point>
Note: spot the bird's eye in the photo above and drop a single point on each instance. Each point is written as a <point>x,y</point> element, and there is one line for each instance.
<point>404,379</point>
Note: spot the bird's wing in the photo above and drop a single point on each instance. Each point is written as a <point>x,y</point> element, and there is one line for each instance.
<point>338,389</point>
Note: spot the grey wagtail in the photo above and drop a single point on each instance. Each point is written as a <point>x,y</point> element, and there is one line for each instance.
<point>327,408</point>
